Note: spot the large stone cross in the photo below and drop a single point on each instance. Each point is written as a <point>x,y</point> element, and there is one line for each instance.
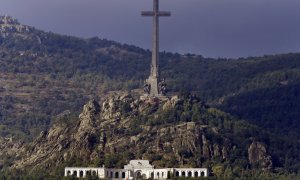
<point>153,87</point>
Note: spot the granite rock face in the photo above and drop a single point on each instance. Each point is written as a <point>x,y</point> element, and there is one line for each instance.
<point>112,127</point>
<point>257,155</point>
<point>88,119</point>
<point>9,25</point>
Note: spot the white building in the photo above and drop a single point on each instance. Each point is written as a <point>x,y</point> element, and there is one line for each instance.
<point>141,169</point>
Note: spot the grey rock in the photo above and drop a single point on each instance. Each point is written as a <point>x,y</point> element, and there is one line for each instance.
<point>257,155</point>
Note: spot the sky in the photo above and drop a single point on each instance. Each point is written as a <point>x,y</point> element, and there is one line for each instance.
<point>212,28</point>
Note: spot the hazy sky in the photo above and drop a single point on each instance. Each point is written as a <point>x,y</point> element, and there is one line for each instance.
<point>213,28</point>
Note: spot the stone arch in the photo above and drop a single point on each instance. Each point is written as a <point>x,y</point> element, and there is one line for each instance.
<point>111,174</point>
<point>139,175</point>
<point>152,175</point>
<point>196,174</point>
<point>68,173</point>
<point>157,174</point>
<point>189,174</point>
<point>123,175</point>
<point>80,173</point>
<point>74,173</point>
<point>183,173</point>
<point>162,174</point>
<point>169,174</point>
<point>88,173</point>
<point>116,174</point>
<point>177,173</point>
<point>94,173</point>
<point>202,174</point>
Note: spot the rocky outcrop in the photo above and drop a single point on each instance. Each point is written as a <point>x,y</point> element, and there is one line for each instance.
<point>9,146</point>
<point>88,119</point>
<point>5,20</point>
<point>11,26</point>
<point>257,155</point>
<point>118,125</point>
<point>45,149</point>
<point>171,103</point>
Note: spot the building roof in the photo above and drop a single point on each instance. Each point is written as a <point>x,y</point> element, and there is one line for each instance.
<point>138,164</point>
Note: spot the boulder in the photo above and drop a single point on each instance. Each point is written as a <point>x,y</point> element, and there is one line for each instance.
<point>258,157</point>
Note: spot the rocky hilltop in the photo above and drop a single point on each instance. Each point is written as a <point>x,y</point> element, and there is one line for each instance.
<point>180,131</point>
<point>9,25</point>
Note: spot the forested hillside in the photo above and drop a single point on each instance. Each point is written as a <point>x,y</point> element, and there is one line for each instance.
<point>45,74</point>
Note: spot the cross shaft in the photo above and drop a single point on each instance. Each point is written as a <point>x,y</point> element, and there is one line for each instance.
<point>154,75</point>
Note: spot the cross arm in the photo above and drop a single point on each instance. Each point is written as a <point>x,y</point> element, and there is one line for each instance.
<point>151,13</point>
<point>164,13</point>
<point>148,13</point>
